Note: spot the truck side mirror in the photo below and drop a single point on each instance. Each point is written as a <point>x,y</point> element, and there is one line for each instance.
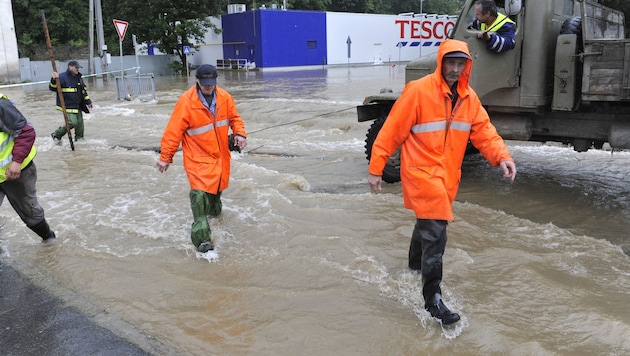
<point>512,7</point>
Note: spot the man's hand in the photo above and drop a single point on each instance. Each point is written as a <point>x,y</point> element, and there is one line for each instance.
<point>509,169</point>
<point>55,75</point>
<point>240,141</point>
<point>13,171</point>
<point>484,36</point>
<point>375,182</point>
<point>162,166</point>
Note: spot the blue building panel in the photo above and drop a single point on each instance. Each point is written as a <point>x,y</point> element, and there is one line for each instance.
<point>292,38</point>
<point>273,38</point>
<point>241,36</point>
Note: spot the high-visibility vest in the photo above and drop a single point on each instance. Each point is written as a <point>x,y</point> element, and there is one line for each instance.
<point>6,151</point>
<point>498,22</point>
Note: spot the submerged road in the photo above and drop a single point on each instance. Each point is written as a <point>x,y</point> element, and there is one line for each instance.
<point>35,321</point>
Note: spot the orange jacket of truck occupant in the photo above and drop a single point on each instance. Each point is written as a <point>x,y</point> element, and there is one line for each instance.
<point>204,139</point>
<point>434,138</point>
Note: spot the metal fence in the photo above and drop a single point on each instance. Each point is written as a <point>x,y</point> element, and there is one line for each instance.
<point>141,86</point>
<point>39,71</point>
<point>239,64</point>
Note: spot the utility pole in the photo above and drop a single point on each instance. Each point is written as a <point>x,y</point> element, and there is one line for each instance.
<point>91,41</point>
<point>102,48</point>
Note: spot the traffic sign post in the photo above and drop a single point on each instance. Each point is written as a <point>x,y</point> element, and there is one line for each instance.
<point>186,53</point>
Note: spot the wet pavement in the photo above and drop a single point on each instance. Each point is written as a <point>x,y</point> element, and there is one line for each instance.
<point>35,320</point>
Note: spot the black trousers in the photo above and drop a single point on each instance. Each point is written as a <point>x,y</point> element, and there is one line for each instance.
<point>22,194</point>
<point>428,242</point>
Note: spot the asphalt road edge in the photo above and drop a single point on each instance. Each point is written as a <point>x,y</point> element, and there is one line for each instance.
<point>95,314</point>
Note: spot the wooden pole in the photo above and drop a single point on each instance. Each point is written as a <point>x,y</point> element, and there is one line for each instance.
<point>59,89</point>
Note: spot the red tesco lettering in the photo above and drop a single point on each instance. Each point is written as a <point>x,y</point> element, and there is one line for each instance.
<point>416,29</point>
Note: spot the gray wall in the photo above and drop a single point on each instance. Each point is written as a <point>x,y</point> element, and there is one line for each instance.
<point>39,71</point>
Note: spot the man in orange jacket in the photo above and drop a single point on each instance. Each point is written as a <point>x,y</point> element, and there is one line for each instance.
<point>432,122</point>
<point>201,121</point>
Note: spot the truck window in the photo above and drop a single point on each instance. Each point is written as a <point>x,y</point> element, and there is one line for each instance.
<point>470,17</point>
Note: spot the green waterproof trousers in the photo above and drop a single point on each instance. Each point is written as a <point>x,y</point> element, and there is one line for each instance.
<point>76,122</point>
<point>203,205</point>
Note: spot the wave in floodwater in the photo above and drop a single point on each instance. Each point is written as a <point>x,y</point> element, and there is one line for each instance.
<point>307,260</point>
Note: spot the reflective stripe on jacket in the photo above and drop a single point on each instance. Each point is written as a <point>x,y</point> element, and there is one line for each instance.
<point>204,138</point>
<point>6,155</point>
<point>497,24</point>
<point>433,138</point>
<point>74,91</point>
<point>502,34</point>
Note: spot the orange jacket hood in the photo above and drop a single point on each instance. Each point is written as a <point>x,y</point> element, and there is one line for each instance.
<point>449,46</point>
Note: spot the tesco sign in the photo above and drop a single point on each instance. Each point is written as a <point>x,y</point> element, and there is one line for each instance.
<point>424,29</point>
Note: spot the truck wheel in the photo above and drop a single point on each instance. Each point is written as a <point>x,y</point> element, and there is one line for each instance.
<point>573,26</point>
<point>391,172</point>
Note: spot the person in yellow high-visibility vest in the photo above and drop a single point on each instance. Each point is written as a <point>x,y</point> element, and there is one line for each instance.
<point>497,30</point>
<point>18,175</point>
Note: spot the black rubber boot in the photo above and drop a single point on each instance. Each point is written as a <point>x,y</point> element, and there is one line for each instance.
<point>205,246</point>
<point>415,248</point>
<point>43,230</point>
<point>436,307</point>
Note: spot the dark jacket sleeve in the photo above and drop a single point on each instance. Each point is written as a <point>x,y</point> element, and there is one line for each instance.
<point>86,96</point>
<point>52,86</point>
<point>503,40</point>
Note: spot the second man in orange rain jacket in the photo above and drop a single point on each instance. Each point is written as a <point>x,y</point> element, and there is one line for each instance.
<point>433,135</point>
<point>432,122</point>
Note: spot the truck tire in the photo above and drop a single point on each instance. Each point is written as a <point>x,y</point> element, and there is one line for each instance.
<point>573,26</point>
<point>391,172</point>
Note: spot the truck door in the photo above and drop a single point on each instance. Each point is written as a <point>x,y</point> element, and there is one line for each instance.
<point>492,72</point>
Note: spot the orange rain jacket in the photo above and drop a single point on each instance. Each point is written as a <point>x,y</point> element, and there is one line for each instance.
<point>433,138</point>
<point>204,139</point>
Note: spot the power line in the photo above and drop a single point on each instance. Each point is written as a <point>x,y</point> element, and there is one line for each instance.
<point>296,121</point>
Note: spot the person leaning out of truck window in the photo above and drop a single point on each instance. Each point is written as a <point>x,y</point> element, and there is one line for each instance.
<point>496,28</point>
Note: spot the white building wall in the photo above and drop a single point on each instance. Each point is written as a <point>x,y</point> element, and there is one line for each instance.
<point>208,52</point>
<point>9,59</point>
<point>383,38</point>
<point>211,49</point>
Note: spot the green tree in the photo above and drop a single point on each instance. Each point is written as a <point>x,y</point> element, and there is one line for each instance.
<point>360,6</point>
<point>67,21</point>
<point>170,25</point>
<point>320,5</point>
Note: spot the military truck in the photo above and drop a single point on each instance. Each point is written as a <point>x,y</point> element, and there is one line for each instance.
<point>567,79</point>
